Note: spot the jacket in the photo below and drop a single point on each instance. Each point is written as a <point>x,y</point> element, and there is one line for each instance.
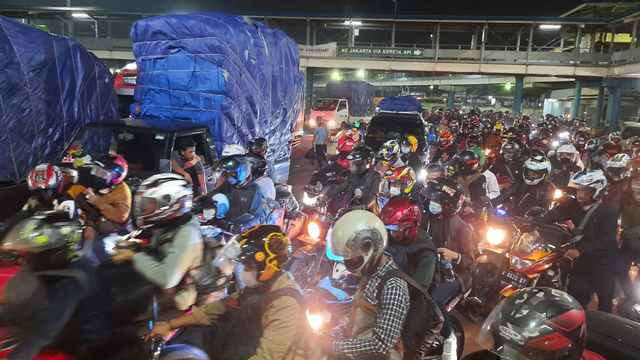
<point>616,191</point>
<point>598,246</point>
<point>174,252</point>
<point>284,325</point>
<point>370,183</point>
<point>443,155</point>
<point>630,219</point>
<point>594,161</point>
<point>246,200</point>
<point>419,260</point>
<point>522,197</point>
<point>113,209</point>
<point>413,160</point>
<point>559,176</point>
<point>512,170</point>
<point>456,235</point>
<point>493,143</point>
<point>475,188</point>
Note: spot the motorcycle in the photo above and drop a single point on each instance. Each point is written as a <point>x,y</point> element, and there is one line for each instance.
<point>536,259</point>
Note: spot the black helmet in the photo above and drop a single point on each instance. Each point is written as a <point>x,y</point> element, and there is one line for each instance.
<point>474,139</point>
<point>258,163</point>
<point>512,150</point>
<point>466,162</point>
<point>536,323</point>
<point>258,145</point>
<point>446,192</point>
<point>236,169</point>
<point>265,248</point>
<point>361,159</point>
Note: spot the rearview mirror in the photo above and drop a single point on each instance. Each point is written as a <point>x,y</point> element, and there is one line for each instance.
<point>358,192</point>
<point>164,166</point>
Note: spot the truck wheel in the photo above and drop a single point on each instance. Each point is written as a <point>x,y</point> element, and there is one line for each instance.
<point>344,125</point>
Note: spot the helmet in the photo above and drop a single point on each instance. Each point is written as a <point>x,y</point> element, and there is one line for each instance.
<point>466,162</point>
<point>361,159</point>
<point>474,139</point>
<point>402,218</point>
<point>615,137</point>
<point>360,238</point>
<point>235,169</point>
<point>594,179</point>
<point>222,205</point>
<point>258,145</point>
<point>233,149</point>
<point>619,167</point>
<point>161,198</point>
<point>511,150</point>
<point>536,170</point>
<point>45,180</point>
<point>410,140</point>
<point>454,126</point>
<point>447,193</point>
<point>389,151</point>
<point>634,142</point>
<point>536,323</point>
<point>498,128</point>
<point>567,149</point>
<point>348,140</point>
<point>258,164</point>
<point>445,139</point>
<point>107,171</point>
<point>402,176</point>
<point>265,248</point>
<point>592,145</point>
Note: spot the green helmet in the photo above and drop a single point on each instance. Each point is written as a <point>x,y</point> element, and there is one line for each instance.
<point>536,169</point>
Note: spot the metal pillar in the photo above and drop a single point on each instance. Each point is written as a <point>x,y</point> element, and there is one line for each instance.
<point>576,100</point>
<point>634,35</point>
<point>518,42</point>
<point>529,45</point>
<point>109,31</point>
<point>613,112</point>
<point>309,93</point>
<point>393,34</point>
<point>308,32</point>
<point>517,95</point>
<point>576,45</point>
<point>451,99</point>
<point>599,107</point>
<point>315,33</point>
<point>352,38</point>
<point>485,29</point>
<point>613,41</point>
<point>474,42</point>
<point>437,41</point>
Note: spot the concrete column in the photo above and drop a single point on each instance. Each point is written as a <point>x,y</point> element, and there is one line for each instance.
<point>451,99</point>
<point>517,95</point>
<point>599,107</point>
<point>576,100</point>
<point>309,93</point>
<point>613,112</point>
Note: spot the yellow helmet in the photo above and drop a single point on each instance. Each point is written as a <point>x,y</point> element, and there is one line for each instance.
<point>410,139</point>
<point>264,247</point>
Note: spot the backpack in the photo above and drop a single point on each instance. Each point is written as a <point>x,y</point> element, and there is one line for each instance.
<point>424,319</point>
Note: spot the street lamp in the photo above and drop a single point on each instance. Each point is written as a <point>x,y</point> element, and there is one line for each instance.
<point>335,75</point>
<point>508,86</point>
<point>360,74</point>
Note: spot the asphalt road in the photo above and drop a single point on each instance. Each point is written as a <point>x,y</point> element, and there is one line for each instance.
<point>300,173</point>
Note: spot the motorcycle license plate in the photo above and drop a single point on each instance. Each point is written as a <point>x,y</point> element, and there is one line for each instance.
<point>515,279</point>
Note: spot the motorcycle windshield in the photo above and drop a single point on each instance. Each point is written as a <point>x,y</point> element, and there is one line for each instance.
<point>531,242</point>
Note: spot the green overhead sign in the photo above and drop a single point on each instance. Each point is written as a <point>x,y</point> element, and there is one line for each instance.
<point>350,51</point>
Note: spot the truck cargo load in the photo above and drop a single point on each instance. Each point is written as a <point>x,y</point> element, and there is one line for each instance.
<point>359,93</point>
<point>400,104</point>
<point>237,76</point>
<point>51,87</point>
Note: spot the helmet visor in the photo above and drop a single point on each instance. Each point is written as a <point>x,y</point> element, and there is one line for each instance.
<point>533,174</point>
<point>500,337</point>
<point>357,166</point>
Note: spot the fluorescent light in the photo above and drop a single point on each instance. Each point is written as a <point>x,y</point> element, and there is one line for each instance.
<point>552,100</point>
<point>550,27</point>
<point>335,75</point>
<point>360,74</point>
<point>354,23</point>
<point>80,15</point>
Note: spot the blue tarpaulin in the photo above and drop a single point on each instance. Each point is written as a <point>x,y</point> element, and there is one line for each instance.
<point>400,104</point>
<point>49,87</point>
<point>238,76</point>
<point>359,94</point>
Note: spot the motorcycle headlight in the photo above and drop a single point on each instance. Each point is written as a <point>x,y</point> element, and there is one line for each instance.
<point>520,264</point>
<point>313,229</point>
<point>555,143</point>
<point>557,194</point>
<point>315,320</point>
<point>308,201</point>
<point>495,236</point>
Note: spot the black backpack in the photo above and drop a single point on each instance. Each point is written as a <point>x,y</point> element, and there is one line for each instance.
<point>424,319</point>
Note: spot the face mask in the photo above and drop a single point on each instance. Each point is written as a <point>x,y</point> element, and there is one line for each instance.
<point>232,180</point>
<point>435,208</point>
<point>406,150</point>
<point>395,191</point>
<point>250,278</point>
<point>565,161</point>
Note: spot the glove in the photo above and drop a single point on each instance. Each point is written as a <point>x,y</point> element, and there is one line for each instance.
<point>68,206</point>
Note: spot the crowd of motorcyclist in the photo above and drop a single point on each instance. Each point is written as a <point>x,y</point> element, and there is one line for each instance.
<point>400,215</point>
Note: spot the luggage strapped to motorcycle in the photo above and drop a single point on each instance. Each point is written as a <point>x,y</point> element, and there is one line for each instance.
<point>420,323</point>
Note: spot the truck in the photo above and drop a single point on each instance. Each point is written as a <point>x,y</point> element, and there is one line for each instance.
<point>345,102</point>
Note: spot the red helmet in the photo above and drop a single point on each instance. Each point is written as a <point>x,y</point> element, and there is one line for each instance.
<point>445,139</point>
<point>348,140</point>
<point>45,177</point>
<point>403,176</point>
<point>403,216</point>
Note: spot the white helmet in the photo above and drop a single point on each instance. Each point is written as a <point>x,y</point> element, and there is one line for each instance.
<point>360,238</point>
<point>536,170</point>
<point>161,198</point>
<point>222,203</point>
<point>619,167</point>
<point>590,178</point>
<point>568,149</point>
<point>233,149</point>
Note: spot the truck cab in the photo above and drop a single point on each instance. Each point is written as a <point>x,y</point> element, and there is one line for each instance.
<point>334,112</point>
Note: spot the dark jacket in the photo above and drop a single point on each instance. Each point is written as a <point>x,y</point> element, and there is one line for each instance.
<point>246,200</point>
<point>475,188</point>
<point>419,260</point>
<point>444,154</point>
<point>560,177</point>
<point>616,191</point>
<point>413,160</point>
<point>521,197</point>
<point>598,247</point>
<point>370,183</point>
<point>456,235</point>
<point>512,170</point>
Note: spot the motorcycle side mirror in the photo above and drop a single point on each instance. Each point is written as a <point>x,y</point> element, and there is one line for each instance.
<point>535,211</point>
<point>164,165</point>
<point>358,192</point>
